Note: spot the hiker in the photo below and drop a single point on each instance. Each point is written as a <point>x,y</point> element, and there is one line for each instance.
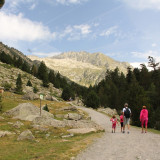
<point>114,122</point>
<point>126,117</point>
<point>144,118</point>
<point>121,121</point>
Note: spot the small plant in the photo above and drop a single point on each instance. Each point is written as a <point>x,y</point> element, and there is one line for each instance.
<point>7,86</point>
<point>46,108</point>
<point>19,88</point>
<point>35,89</point>
<point>29,83</point>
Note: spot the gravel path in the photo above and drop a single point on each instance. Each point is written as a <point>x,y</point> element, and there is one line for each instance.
<point>119,146</point>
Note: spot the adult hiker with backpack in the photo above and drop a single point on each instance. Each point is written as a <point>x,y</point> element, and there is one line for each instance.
<point>126,117</point>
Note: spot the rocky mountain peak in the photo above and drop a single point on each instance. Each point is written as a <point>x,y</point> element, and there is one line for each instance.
<point>83,67</point>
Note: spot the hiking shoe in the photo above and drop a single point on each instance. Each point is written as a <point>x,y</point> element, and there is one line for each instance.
<point>123,131</point>
<point>128,132</point>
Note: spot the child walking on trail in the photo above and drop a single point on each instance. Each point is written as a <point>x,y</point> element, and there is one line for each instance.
<point>121,121</point>
<point>114,122</point>
<point>144,118</point>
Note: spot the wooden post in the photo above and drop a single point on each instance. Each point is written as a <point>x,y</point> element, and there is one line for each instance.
<point>41,98</point>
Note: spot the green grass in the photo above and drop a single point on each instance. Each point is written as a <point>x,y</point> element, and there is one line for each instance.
<point>148,129</point>
<point>153,131</point>
<point>6,65</point>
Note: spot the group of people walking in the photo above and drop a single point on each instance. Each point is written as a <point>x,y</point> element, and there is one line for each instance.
<point>125,119</point>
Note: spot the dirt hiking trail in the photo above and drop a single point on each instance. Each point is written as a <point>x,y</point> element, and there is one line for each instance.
<point>120,146</point>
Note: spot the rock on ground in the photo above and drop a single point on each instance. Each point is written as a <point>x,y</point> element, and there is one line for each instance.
<point>83,124</point>
<point>18,124</point>
<point>73,116</point>
<point>69,108</point>
<point>26,135</point>
<point>30,96</point>
<point>108,111</point>
<point>5,133</point>
<point>48,121</point>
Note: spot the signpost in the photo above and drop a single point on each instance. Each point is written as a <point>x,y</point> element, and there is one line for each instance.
<point>41,98</point>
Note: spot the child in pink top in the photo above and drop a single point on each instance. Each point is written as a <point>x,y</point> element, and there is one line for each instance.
<point>114,122</point>
<point>144,118</point>
<point>121,121</point>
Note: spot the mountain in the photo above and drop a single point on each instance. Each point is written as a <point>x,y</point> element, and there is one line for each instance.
<point>82,67</point>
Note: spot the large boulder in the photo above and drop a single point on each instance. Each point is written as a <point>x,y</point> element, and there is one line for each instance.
<point>69,108</point>
<point>26,135</point>
<point>73,116</point>
<point>40,127</point>
<point>27,111</point>
<point>48,121</point>
<point>83,124</point>
<point>30,96</point>
<point>51,98</point>
<point>108,111</point>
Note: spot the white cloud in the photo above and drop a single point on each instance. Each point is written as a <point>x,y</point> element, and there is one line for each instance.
<point>144,55</point>
<point>143,4</point>
<point>67,2</point>
<point>84,29</point>
<point>138,64</point>
<point>16,28</point>
<point>14,5</point>
<point>109,31</point>
<point>154,45</point>
<point>75,32</point>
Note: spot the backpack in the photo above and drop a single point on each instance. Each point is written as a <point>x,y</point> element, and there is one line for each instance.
<point>127,113</point>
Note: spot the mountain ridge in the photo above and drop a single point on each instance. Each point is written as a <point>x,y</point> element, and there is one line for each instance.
<point>82,67</point>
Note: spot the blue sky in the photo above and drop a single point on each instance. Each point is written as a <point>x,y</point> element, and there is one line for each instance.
<point>125,30</point>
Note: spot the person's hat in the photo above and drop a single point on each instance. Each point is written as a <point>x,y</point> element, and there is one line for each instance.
<point>126,104</point>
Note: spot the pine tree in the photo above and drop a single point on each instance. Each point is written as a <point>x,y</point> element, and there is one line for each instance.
<point>35,89</point>
<point>152,63</point>
<point>19,85</point>
<point>43,74</point>
<point>92,100</point>
<point>29,83</point>
<point>51,76</point>
<point>34,70</point>
<point>19,63</point>
<point>25,67</point>
<point>46,108</point>
<point>67,93</point>
<point>5,58</point>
